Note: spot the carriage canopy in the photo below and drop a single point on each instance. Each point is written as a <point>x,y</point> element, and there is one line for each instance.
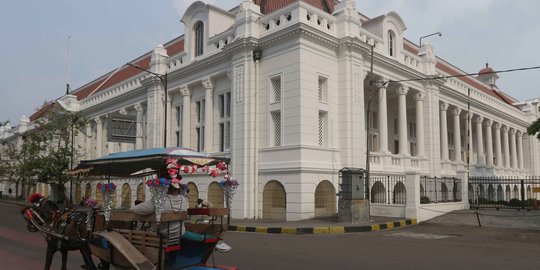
<point>130,163</point>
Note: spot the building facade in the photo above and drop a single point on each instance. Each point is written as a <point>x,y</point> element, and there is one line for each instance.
<point>286,89</point>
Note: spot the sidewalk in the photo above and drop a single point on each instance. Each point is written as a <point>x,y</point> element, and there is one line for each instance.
<point>317,226</point>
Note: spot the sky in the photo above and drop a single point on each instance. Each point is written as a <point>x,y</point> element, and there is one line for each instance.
<point>104,34</point>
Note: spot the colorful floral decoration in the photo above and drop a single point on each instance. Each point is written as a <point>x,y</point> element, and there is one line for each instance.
<point>229,186</point>
<point>158,188</point>
<point>108,190</point>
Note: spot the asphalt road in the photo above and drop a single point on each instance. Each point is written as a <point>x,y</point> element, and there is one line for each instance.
<point>21,249</point>
<point>424,246</point>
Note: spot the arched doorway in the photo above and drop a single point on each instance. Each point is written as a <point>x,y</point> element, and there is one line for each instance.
<point>193,194</point>
<point>77,193</point>
<point>325,199</point>
<point>87,191</point>
<point>508,193</point>
<point>500,193</point>
<point>40,188</point>
<point>491,193</point>
<point>516,192</point>
<point>274,201</point>
<point>444,192</point>
<point>378,193</point>
<point>140,192</point>
<point>46,191</point>
<point>215,194</point>
<point>126,197</point>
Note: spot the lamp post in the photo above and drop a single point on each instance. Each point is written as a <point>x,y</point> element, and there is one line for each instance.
<point>436,33</point>
<point>163,79</point>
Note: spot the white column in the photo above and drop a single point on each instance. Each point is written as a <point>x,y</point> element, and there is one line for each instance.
<point>444,131</point>
<point>489,143</point>
<point>186,117</point>
<point>383,118</point>
<point>209,116</point>
<point>498,150</point>
<point>419,98</point>
<point>99,137</point>
<point>139,126</point>
<point>89,139</point>
<point>520,150</point>
<point>513,154</point>
<point>480,160</point>
<point>402,120</point>
<point>456,113</point>
<point>506,149</point>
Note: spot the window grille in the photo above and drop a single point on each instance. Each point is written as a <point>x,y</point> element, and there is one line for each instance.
<point>323,86</point>
<point>276,118</point>
<point>276,87</point>
<point>322,128</point>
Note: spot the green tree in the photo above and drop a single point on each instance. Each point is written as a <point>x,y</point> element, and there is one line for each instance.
<point>52,142</point>
<point>534,129</point>
<point>17,166</point>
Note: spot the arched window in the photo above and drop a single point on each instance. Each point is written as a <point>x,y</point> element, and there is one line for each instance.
<point>126,197</point>
<point>87,191</point>
<point>215,194</point>
<point>77,193</point>
<point>400,194</point>
<point>193,194</point>
<point>325,199</point>
<point>199,38</point>
<point>140,192</point>
<point>378,193</point>
<point>391,43</point>
<point>274,201</point>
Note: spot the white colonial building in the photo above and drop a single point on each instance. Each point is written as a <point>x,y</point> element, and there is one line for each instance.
<point>282,88</point>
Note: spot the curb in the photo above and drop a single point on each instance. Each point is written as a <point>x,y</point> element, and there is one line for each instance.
<point>15,203</point>
<point>325,230</point>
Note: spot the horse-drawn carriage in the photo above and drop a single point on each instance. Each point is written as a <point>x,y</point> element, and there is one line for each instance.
<point>122,238</point>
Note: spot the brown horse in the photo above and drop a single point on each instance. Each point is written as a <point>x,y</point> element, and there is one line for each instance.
<point>63,229</point>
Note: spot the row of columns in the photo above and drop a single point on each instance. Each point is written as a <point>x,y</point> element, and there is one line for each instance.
<point>402,92</point>
<point>509,149</point>
<point>186,122</point>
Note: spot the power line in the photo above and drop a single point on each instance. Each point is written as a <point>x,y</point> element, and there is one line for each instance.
<point>464,75</point>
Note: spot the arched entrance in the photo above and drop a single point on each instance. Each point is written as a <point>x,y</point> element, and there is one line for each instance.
<point>193,194</point>
<point>46,191</point>
<point>325,199</point>
<point>274,201</point>
<point>215,194</point>
<point>126,197</point>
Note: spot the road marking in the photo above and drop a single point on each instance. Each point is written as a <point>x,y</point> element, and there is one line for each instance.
<point>420,235</point>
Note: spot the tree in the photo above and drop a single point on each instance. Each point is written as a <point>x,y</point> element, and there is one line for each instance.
<point>51,140</point>
<point>534,129</point>
<point>17,165</point>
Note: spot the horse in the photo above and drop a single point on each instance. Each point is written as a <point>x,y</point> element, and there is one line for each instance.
<point>63,229</point>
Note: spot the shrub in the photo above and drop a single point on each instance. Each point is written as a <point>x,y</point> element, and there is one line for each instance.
<point>424,200</point>
<point>514,202</point>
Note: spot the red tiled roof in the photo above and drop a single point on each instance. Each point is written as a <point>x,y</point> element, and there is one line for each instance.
<point>41,111</point>
<point>269,6</point>
<point>444,67</point>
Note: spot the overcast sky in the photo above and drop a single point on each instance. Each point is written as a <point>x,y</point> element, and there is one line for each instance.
<point>107,33</point>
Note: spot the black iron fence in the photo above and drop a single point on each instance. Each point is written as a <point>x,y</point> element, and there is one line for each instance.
<point>439,190</point>
<point>388,190</point>
<point>504,192</point>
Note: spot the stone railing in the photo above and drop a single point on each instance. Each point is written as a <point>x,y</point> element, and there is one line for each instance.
<point>298,12</point>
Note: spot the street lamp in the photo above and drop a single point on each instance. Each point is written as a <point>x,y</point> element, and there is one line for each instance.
<point>163,79</point>
<point>436,33</point>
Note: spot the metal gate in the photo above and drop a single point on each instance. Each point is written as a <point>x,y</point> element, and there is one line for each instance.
<point>504,192</point>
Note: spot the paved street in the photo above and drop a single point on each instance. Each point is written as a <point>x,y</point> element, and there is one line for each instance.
<point>21,249</point>
<point>432,245</point>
